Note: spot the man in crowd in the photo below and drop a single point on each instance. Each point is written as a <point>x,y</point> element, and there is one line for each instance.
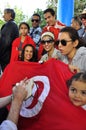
<point>9,32</point>
<point>83,19</point>
<point>77,24</point>
<point>35,31</point>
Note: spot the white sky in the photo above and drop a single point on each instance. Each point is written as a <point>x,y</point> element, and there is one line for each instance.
<point>27,6</point>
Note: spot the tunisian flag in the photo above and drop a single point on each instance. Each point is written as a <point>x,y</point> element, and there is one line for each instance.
<point>50,107</point>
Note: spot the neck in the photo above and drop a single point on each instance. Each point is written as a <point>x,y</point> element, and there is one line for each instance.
<point>50,53</point>
<point>71,55</point>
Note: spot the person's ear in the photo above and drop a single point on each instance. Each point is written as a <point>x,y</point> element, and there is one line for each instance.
<point>75,43</point>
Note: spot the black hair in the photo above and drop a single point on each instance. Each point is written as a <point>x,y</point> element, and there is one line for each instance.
<point>25,24</point>
<point>34,57</point>
<point>81,76</point>
<point>36,14</point>
<point>50,10</point>
<point>73,35</point>
<point>8,10</point>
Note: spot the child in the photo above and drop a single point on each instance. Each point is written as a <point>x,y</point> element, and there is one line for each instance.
<point>21,41</point>
<point>77,89</point>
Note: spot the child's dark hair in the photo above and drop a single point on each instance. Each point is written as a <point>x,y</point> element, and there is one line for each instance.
<point>81,76</point>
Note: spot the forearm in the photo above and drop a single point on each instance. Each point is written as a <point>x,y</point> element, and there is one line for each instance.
<point>14,111</point>
<point>5,101</point>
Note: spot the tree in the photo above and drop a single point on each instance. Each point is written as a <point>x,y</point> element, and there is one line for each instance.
<point>19,15</point>
<point>52,4</point>
<point>79,5</point>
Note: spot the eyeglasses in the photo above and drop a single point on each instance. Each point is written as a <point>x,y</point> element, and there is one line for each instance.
<point>35,20</point>
<point>47,41</point>
<point>83,16</point>
<point>63,42</point>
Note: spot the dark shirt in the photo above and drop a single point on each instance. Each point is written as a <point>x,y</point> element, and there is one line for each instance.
<point>9,32</point>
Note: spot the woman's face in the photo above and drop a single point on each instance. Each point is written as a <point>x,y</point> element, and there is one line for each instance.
<point>48,44</point>
<point>23,30</point>
<point>70,46</point>
<point>28,53</point>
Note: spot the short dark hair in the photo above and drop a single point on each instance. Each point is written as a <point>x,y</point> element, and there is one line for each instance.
<point>8,10</point>
<point>36,14</point>
<point>50,10</point>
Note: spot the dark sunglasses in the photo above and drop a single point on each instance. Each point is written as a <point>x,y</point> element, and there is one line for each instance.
<point>63,42</point>
<point>83,16</point>
<point>47,41</point>
<point>35,20</point>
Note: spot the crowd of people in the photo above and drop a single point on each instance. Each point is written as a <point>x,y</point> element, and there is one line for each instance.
<point>36,44</point>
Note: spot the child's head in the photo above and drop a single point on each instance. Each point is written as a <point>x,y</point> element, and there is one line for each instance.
<point>77,89</point>
<point>24,28</point>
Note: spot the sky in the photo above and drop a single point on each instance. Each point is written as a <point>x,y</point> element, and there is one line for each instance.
<point>27,6</point>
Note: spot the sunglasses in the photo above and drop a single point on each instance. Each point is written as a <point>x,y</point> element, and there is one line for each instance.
<point>35,20</point>
<point>63,42</point>
<point>83,16</point>
<point>47,41</point>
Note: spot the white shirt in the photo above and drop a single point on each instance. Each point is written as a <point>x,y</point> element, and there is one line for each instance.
<point>8,125</point>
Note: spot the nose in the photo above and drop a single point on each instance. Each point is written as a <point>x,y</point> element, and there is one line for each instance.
<point>77,95</point>
<point>59,45</point>
<point>46,43</point>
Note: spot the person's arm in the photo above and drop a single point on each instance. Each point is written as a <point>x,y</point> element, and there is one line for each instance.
<point>5,101</point>
<point>19,94</point>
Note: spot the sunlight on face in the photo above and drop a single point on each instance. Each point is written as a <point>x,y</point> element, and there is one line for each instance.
<point>77,93</point>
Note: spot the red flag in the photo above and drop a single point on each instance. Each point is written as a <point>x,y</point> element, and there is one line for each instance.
<point>56,111</point>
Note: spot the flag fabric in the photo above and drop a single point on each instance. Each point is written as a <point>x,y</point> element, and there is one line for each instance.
<point>55,111</point>
<point>65,11</point>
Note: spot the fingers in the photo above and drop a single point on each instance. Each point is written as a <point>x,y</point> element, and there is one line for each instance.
<point>23,88</point>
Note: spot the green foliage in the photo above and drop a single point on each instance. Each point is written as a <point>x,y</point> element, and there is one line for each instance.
<point>79,5</point>
<point>20,17</point>
<point>52,4</point>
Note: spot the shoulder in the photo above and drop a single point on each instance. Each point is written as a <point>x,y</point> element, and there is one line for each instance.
<point>44,57</point>
<point>16,41</point>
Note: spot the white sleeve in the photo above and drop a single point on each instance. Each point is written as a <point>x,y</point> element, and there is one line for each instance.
<point>8,125</point>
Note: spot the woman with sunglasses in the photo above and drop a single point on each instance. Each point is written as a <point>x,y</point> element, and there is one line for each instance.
<point>72,47</point>
<point>48,42</point>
